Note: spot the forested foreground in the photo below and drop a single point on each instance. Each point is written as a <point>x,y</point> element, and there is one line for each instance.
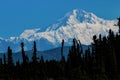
<point>102,62</point>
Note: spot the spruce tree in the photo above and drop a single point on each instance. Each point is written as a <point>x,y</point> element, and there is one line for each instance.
<point>10,64</point>
<point>24,57</point>
<point>10,58</point>
<point>118,24</point>
<point>34,57</point>
<point>1,62</point>
<point>62,48</point>
<point>4,59</point>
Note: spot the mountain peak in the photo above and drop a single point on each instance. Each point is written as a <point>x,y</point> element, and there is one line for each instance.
<point>82,16</point>
<point>78,23</point>
<point>79,11</point>
<point>74,17</point>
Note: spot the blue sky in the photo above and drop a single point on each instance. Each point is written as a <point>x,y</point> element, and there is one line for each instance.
<point>18,15</point>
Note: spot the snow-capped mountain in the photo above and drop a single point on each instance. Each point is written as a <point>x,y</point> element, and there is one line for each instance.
<point>77,24</point>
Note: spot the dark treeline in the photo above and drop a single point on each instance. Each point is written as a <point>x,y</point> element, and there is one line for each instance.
<point>100,63</point>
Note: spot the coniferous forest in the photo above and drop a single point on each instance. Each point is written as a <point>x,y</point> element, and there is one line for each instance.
<point>102,62</point>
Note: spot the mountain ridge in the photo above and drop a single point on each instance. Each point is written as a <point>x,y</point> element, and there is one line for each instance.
<point>77,24</point>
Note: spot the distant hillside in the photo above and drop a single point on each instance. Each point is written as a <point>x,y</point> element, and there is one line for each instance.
<point>48,54</point>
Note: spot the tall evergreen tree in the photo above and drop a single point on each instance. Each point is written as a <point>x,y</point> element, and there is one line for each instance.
<point>10,64</point>
<point>62,56</point>
<point>118,24</point>
<point>74,54</point>
<point>10,58</point>
<point>117,46</point>
<point>62,48</point>
<point>79,48</point>
<point>1,61</point>
<point>34,57</point>
<point>1,67</point>
<point>24,57</point>
<point>4,59</point>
